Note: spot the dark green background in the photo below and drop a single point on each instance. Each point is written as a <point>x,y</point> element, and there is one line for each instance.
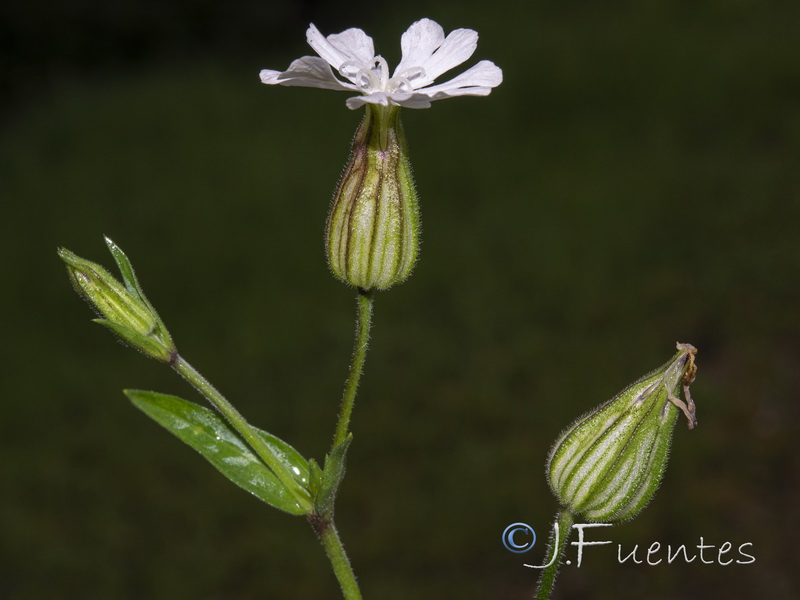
<point>634,182</point>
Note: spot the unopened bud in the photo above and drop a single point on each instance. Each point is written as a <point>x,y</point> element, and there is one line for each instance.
<point>123,307</point>
<point>608,464</point>
<point>373,224</point>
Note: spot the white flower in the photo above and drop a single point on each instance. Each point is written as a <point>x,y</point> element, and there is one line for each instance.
<point>427,53</point>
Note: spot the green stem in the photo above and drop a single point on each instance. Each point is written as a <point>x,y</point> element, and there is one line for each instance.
<point>363,322</point>
<point>239,423</point>
<point>323,523</point>
<point>547,579</point>
<point>326,532</point>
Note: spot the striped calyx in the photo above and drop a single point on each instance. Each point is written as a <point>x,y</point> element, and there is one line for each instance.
<point>373,225</point>
<point>608,464</point>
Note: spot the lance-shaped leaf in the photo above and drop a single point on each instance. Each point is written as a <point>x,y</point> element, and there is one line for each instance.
<point>209,434</point>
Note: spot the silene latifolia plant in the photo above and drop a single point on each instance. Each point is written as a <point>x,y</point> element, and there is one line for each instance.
<point>604,468</point>
<point>372,240</point>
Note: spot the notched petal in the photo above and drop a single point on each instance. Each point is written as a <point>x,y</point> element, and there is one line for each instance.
<point>308,71</point>
<point>332,55</point>
<point>456,48</point>
<point>485,74</point>
<point>413,100</point>
<point>354,44</point>
<point>418,43</point>
<point>470,91</point>
<point>381,98</point>
<point>410,100</point>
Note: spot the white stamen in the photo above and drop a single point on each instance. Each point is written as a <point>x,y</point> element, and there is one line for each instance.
<point>363,78</point>
<point>402,81</point>
<point>413,73</point>
<point>400,84</point>
<point>383,70</point>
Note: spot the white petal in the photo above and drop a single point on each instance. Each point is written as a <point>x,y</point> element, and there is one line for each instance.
<point>394,99</point>
<point>308,71</point>
<point>355,44</point>
<point>323,47</point>
<point>411,100</point>
<point>483,75</point>
<point>457,47</point>
<point>418,43</point>
<point>352,44</point>
<point>469,91</point>
<point>376,98</point>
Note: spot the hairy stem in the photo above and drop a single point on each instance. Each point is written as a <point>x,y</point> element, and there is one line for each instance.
<point>363,322</point>
<point>323,523</point>
<point>555,549</point>
<point>327,534</point>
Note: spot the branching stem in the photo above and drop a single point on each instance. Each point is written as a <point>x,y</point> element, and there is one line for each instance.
<point>239,423</point>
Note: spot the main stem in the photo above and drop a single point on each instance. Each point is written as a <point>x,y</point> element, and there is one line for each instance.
<point>326,532</point>
<point>547,579</point>
<point>323,523</point>
<point>363,323</point>
<point>235,418</point>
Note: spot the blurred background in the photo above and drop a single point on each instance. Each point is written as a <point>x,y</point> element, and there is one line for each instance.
<point>634,182</point>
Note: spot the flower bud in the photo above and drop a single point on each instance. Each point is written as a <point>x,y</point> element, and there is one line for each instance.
<point>124,308</point>
<point>373,224</point>
<point>607,465</point>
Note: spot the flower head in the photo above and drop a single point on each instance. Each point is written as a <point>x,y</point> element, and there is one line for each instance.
<point>427,54</point>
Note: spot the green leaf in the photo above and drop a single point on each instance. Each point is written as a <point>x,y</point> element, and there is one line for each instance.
<point>211,436</point>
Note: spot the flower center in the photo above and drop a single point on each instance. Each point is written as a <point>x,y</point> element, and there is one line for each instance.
<point>376,78</point>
